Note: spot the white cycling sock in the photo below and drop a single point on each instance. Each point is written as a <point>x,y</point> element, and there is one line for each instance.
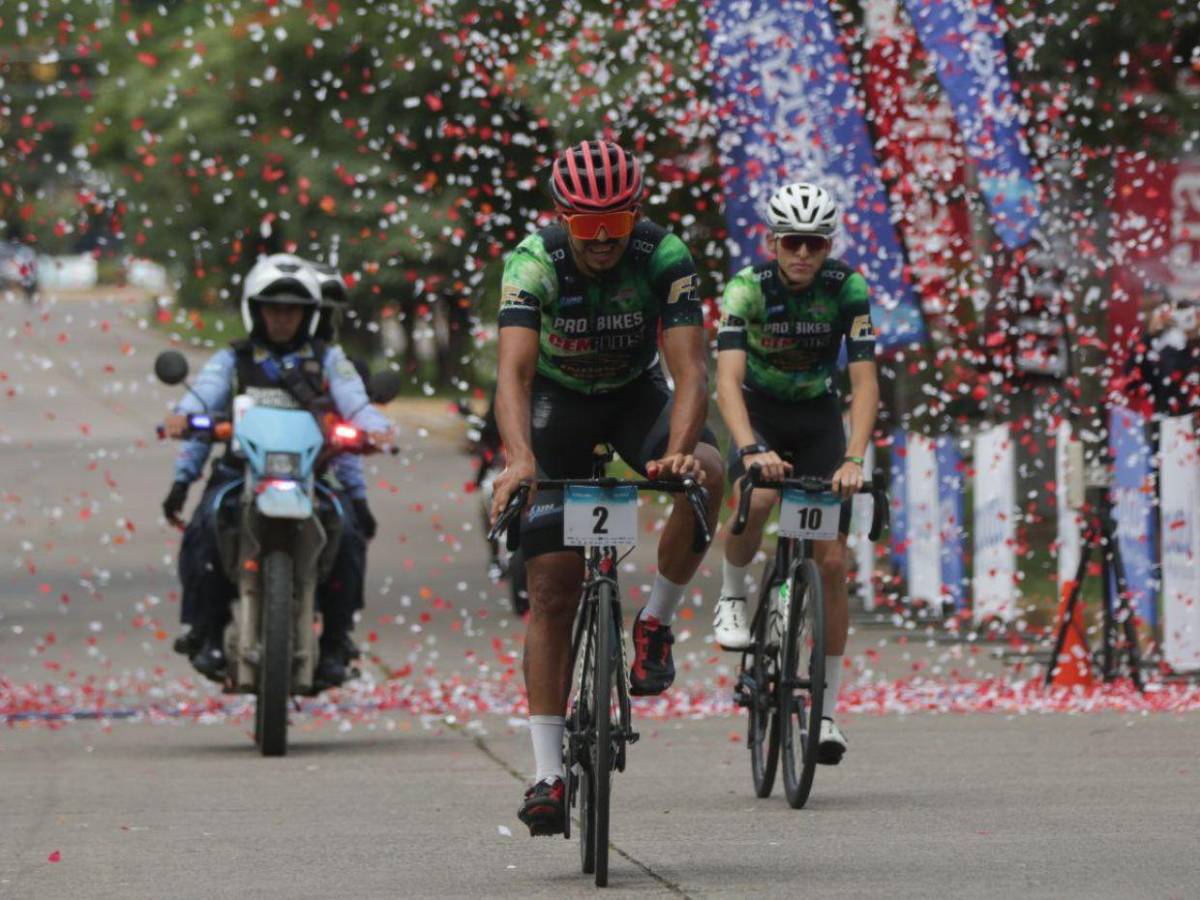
<point>547,734</point>
<point>733,580</point>
<point>833,681</point>
<point>664,597</point>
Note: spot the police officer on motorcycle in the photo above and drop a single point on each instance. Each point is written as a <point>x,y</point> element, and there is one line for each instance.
<point>281,362</point>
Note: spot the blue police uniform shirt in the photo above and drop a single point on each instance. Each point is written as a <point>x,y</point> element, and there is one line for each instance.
<point>212,391</point>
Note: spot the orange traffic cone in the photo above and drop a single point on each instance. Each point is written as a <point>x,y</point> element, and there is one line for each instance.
<point>1074,664</point>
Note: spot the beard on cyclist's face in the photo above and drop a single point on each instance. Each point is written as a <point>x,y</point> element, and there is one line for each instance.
<point>799,264</point>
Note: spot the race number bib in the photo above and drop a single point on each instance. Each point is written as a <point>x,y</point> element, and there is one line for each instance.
<point>600,516</point>
<point>810,517</point>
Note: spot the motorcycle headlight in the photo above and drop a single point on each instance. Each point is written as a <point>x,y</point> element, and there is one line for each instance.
<point>283,465</point>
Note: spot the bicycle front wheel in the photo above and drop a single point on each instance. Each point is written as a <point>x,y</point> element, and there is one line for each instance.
<point>762,729</point>
<point>604,684</point>
<point>802,682</point>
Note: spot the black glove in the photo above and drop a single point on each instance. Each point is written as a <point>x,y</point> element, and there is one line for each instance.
<point>366,521</point>
<point>173,505</point>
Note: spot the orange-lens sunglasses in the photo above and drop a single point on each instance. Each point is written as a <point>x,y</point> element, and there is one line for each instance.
<point>585,226</point>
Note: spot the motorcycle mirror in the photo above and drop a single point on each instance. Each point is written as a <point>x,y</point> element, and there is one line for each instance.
<point>171,367</point>
<point>382,387</point>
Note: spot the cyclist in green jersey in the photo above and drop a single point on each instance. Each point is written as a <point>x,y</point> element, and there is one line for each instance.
<point>581,307</point>
<point>783,323</point>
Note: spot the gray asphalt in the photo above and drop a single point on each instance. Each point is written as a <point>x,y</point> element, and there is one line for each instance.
<point>379,797</point>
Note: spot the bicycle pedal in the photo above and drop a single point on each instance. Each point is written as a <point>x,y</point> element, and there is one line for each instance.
<point>631,737</point>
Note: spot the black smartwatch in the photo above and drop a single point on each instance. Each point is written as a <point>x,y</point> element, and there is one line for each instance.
<point>751,449</point>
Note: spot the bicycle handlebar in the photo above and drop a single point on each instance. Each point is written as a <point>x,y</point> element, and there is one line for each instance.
<point>752,479</point>
<point>696,494</point>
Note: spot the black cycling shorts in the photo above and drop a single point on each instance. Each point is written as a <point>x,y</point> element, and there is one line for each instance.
<point>566,425</point>
<point>809,434</point>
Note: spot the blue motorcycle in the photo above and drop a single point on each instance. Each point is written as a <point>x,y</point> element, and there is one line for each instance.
<point>281,542</point>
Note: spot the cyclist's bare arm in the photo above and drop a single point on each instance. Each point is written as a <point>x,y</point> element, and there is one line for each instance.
<point>864,406</point>
<point>686,356</point>
<point>864,403</point>
<point>731,374</point>
<point>514,386</point>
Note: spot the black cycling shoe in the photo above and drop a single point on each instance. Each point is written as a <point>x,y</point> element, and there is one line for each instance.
<point>188,644</point>
<point>348,650</point>
<point>209,661</point>
<point>331,671</point>
<point>653,669</point>
<point>545,808</point>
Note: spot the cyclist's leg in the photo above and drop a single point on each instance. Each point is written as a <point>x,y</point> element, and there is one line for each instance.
<point>641,433</point>
<point>563,427</point>
<point>554,583</point>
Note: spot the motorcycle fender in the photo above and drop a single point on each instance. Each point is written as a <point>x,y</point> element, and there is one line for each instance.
<point>279,503</point>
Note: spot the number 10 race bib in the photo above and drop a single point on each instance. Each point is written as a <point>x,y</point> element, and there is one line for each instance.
<point>600,516</point>
<point>810,517</point>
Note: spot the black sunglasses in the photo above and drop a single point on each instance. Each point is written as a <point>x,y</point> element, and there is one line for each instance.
<point>813,242</point>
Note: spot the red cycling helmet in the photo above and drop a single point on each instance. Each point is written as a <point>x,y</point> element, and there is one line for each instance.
<point>595,176</point>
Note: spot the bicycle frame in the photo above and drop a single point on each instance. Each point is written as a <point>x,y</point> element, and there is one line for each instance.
<point>781,723</point>
<point>595,745</point>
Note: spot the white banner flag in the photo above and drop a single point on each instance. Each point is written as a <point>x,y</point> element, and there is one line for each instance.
<point>1180,489</point>
<point>995,525</point>
<point>863,549</point>
<point>1070,522</point>
<point>924,527</point>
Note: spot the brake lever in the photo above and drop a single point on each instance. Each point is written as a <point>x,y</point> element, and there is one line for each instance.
<point>697,497</point>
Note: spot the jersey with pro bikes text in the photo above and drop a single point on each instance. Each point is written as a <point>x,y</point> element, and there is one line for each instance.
<point>599,333</point>
<point>792,339</point>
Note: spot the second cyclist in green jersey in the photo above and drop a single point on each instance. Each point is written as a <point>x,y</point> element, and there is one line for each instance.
<point>792,339</point>
<point>783,325</point>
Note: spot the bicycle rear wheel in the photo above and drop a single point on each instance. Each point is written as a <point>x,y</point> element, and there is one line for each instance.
<point>802,682</point>
<point>605,694</point>
<point>762,728</point>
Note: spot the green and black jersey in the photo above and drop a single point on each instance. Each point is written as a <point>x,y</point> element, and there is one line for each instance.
<point>599,333</point>
<point>792,340</point>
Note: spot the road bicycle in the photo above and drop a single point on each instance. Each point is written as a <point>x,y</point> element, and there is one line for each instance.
<point>782,677</point>
<point>600,515</point>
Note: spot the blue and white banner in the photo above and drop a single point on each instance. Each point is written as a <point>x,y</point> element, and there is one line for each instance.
<point>898,496</point>
<point>1070,520</point>
<point>789,112</point>
<point>924,524</point>
<point>1133,508</point>
<point>965,41</point>
<point>1180,452</point>
<point>995,579</point>
<point>951,490</point>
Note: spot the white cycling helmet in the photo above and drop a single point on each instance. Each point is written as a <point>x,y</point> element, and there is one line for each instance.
<point>281,278</point>
<point>802,208</point>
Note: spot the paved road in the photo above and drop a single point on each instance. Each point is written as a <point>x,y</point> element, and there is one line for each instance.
<point>406,783</point>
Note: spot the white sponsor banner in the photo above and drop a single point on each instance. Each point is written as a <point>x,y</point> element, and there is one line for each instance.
<point>1180,511</point>
<point>146,274</point>
<point>995,525</point>
<point>924,522</point>
<point>67,271</point>
<point>863,549</point>
<point>1070,522</point>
